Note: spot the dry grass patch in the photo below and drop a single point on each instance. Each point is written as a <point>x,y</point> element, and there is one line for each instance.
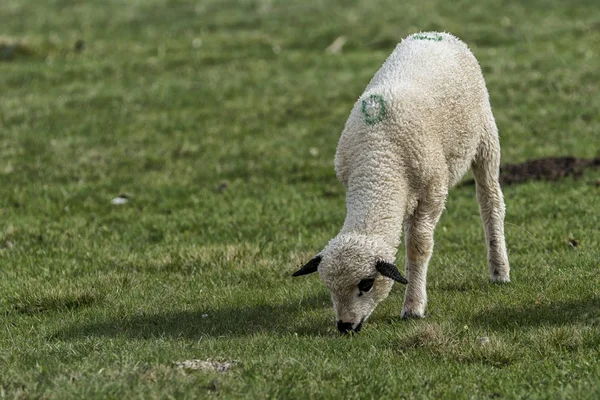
<point>11,48</point>
<point>567,338</point>
<point>55,299</point>
<point>459,344</point>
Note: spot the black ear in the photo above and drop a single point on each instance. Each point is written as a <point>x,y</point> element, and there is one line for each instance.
<point>390,270</point>
<point>309,267</point>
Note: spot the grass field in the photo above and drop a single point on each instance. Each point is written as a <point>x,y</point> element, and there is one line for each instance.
<point>219,121</point>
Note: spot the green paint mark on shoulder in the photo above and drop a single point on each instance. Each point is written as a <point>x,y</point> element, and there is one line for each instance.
<point>434,37</point>
<point>373,109</point>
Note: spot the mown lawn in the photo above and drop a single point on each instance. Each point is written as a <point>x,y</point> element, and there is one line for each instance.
<point>218,120</point>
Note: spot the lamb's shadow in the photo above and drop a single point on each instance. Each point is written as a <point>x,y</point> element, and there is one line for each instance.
<point>226,321</point>
<point>569,312</point>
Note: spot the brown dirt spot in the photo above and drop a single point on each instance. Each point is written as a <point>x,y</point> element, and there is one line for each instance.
<point>544,169</point>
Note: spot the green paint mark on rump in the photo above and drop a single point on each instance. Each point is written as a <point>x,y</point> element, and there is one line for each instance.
<point>373,109</point>
<point>434,37</point>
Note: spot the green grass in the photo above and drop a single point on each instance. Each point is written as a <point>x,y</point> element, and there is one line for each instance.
<point>220,120</point>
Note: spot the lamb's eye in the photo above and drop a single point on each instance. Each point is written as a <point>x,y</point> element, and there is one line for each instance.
<point>366,285</point>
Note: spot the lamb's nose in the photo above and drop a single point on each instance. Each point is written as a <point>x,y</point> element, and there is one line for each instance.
<point>344,327</point>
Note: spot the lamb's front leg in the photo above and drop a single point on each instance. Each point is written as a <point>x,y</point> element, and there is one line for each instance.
<point>418,231</point>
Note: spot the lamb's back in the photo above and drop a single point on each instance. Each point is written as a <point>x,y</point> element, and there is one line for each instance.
<point>424,106</point>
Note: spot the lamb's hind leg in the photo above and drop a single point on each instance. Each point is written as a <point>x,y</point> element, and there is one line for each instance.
<point>491,206</point>
<point>418,230</point>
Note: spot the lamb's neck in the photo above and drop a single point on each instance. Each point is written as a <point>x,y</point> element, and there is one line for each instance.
<point>376,208</point>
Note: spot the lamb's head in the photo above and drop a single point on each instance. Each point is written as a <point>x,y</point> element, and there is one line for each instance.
<point>359,272</point>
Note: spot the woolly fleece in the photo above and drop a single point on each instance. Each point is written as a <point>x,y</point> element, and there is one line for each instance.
<point>422,122</point>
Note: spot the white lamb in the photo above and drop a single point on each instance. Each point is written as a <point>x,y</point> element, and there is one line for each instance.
<point>423,120</point>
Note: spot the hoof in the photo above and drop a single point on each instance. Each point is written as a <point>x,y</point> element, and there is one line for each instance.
<point>499,278</point>
<point>499,272</point>
<point>412,314</point>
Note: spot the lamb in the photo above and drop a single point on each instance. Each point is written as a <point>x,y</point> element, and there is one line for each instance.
<point>423,120</point>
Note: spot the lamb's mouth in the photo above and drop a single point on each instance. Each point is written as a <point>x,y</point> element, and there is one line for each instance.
<point>346,327</point>
<point>359,326</point>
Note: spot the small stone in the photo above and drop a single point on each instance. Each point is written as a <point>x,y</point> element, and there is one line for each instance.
<point>336,46</point>
<point>7,244</point>
<point>204,315</point>
<point>119,200</point>
<point>483,340</point>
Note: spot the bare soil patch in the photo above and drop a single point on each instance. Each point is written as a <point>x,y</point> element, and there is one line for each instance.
<point>544,169</point>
